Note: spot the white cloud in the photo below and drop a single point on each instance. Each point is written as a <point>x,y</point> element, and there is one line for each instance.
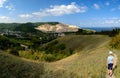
<point>101,22</point>
<point>109,21</point>
<point>5,19</point>
<point>96,6</point>
<point>2,2</point>
<point>66,9</point>
<point>107,3</point>
<point>113,9</point>
<point>59,10</point>
<point>10,7</point>
<point>116,8</point>
<point>112,22</point>
<point>40,14</point>
<point>25,16</point>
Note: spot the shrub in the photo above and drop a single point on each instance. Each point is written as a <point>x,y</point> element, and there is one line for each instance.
<point>61,46</point>
<point>49,57</point>
<point>14,52</point>
<point>115,42</point>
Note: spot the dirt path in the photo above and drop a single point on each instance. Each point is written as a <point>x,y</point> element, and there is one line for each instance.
<point>107,76</point>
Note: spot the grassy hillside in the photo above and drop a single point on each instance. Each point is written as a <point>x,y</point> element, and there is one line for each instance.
<point>15,67</point>
<point>88,62</point>
<point>92,65</point>
<point>80,42</point>
<point>90,57</point>
<point>70,44</point>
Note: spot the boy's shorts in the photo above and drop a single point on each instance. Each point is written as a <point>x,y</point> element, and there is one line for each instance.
<point>110,66</point>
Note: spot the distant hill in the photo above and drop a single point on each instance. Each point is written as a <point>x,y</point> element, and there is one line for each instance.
<point>43,26</point>
<point>27,27</point>
<point>10,26</point>
<point>46,27</point>
<point>57,28</point>
<point>23,26</point>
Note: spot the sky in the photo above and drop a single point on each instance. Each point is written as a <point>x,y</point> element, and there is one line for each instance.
<point>82,13</point>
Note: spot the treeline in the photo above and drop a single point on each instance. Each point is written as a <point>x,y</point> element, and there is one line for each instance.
<point>35,49</point>
<point>84,32</point>
<point>19,26</point>
<point>111,33</point>
<point>12,46</point>
<point>30,27</point>
<point>6,43</point>
<point>49,52</point>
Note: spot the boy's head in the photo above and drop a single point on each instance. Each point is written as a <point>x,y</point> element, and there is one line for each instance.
<point>110,52</point>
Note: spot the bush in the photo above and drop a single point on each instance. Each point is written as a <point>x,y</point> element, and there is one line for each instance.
<point>49,57</point>
<point>115,42</point>
<point>61,46</point>
<point>14,52</point>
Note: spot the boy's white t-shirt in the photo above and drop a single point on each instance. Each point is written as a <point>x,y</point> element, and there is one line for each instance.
<point>110,59</point>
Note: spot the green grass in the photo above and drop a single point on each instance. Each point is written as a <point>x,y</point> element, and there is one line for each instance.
<point>14,67</point>
<point>88,61</point>
<point>117,69</point>
<point>80,42</point>
<point>71,44</point>
<point>92,65</point>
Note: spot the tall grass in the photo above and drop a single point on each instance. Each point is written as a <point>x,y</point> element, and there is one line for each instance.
<point>92,65</point>
<point>88,62</point>
<point>14,67</point>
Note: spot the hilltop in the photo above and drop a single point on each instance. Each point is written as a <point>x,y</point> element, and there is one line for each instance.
<point>57,28</point>
<point>41,26</point>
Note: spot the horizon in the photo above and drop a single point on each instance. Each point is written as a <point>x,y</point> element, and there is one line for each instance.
<point>62,23</point>
<point>82,13</point>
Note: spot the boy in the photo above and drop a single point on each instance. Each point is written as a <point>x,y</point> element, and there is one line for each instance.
<point>110,62</point>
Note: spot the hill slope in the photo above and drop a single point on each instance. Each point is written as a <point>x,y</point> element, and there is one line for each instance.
<point>88,62</point>
<point>15,67</point>
<point>57,28</point>
<point>71,44</point>
<point>80,42</point>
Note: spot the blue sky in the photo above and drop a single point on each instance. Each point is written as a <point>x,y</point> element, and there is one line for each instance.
<point>83,13</point>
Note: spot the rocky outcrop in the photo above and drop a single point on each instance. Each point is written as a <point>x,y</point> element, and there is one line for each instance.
<point>57,28</point>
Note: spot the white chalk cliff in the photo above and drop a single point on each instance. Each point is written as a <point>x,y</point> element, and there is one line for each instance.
<point>57,28</point>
